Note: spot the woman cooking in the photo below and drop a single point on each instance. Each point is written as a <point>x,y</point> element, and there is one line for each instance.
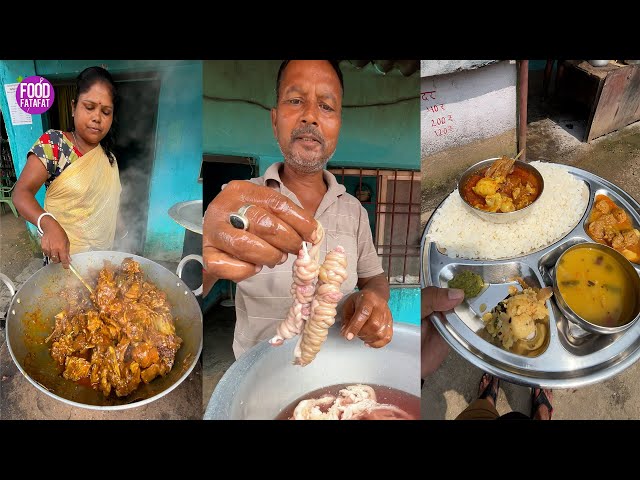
<point>80,173</point>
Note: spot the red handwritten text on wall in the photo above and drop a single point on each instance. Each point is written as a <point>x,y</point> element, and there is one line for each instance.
<point>441,119</point>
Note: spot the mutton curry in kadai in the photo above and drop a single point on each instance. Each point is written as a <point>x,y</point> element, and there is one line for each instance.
<point>124,334</point>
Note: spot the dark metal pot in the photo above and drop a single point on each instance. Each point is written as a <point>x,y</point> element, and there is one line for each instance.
<point>30,319</point>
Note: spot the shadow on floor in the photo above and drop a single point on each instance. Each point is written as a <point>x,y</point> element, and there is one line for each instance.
<point>454,386</point>
<point>569,117</point>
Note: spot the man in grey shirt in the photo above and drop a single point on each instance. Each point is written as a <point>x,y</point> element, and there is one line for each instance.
<point>287,202</point>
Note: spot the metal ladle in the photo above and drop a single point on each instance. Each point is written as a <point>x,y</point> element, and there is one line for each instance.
<point>75,272</point>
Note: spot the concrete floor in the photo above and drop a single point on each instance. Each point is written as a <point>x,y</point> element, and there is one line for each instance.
<point>554,134</point>
<point>18,259</point>
<point>19,399</point>
<point>217,351</point>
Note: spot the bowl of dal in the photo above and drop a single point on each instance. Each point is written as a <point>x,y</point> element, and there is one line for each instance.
<point>597,288</point>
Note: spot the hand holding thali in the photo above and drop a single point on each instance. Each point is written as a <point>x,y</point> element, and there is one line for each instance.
<point>530,248</point>
<point>433,347</point>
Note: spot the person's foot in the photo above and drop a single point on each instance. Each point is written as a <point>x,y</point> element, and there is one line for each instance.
<point>489,387</point>
<point>541,408</point>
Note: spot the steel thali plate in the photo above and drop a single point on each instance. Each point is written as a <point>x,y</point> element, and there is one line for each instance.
<point>572,356</point>
<point>188,214</point>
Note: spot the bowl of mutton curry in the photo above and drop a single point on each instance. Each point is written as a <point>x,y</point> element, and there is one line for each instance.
<point>500,190</point>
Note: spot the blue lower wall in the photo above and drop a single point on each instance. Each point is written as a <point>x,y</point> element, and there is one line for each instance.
<point>404,302</point>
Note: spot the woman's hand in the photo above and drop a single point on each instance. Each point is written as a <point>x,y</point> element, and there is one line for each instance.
<point>277,227</point>
<point>55,243</point>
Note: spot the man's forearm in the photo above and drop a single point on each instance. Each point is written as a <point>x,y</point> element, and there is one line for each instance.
<point>377,283</point>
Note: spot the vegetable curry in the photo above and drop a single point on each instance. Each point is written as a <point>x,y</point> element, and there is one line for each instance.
<point>611,225</point>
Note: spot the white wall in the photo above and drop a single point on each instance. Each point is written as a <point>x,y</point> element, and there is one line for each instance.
<point>430,68</point>
<point>465,106</point>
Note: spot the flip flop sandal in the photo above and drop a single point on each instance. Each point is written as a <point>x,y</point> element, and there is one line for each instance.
<point>492,388</point>
<point>538,400</point>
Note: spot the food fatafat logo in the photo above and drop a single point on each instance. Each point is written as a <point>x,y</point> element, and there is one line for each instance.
<point>34,94</point>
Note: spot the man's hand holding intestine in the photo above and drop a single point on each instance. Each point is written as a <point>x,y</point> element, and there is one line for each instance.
<point>277,228</point>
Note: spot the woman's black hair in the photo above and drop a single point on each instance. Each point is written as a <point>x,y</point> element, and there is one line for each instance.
<point>334,63</point>
<point>85,80</point>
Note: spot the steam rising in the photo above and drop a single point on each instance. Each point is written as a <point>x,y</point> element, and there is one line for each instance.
<point>136,139</point>
<point>132,215</point>
<point>135,152</point>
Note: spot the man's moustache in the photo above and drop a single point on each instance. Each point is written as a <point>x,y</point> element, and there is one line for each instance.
<point>308,131</point>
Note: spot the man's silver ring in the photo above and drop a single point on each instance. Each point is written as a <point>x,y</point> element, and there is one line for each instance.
<point>239,219</point>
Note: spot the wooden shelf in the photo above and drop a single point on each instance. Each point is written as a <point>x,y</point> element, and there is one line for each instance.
<point>610,93</point>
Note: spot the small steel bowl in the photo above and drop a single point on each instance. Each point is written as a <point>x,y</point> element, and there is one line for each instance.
<point>498,217</point>
<point>632,276</point>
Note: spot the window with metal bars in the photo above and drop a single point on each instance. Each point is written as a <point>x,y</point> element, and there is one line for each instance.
<point>7,171</point>
<point>392,199</point>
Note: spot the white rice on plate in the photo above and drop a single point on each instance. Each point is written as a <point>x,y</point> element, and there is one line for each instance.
<point>562,204</point>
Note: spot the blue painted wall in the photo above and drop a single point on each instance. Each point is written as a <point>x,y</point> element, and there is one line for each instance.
<point>21,137</point>
<point>178,149</point>
<point>380,117</point>
<point>537,65</point>
<point>380,129</point>
<point>178,158</point>
<point>405,304</point>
